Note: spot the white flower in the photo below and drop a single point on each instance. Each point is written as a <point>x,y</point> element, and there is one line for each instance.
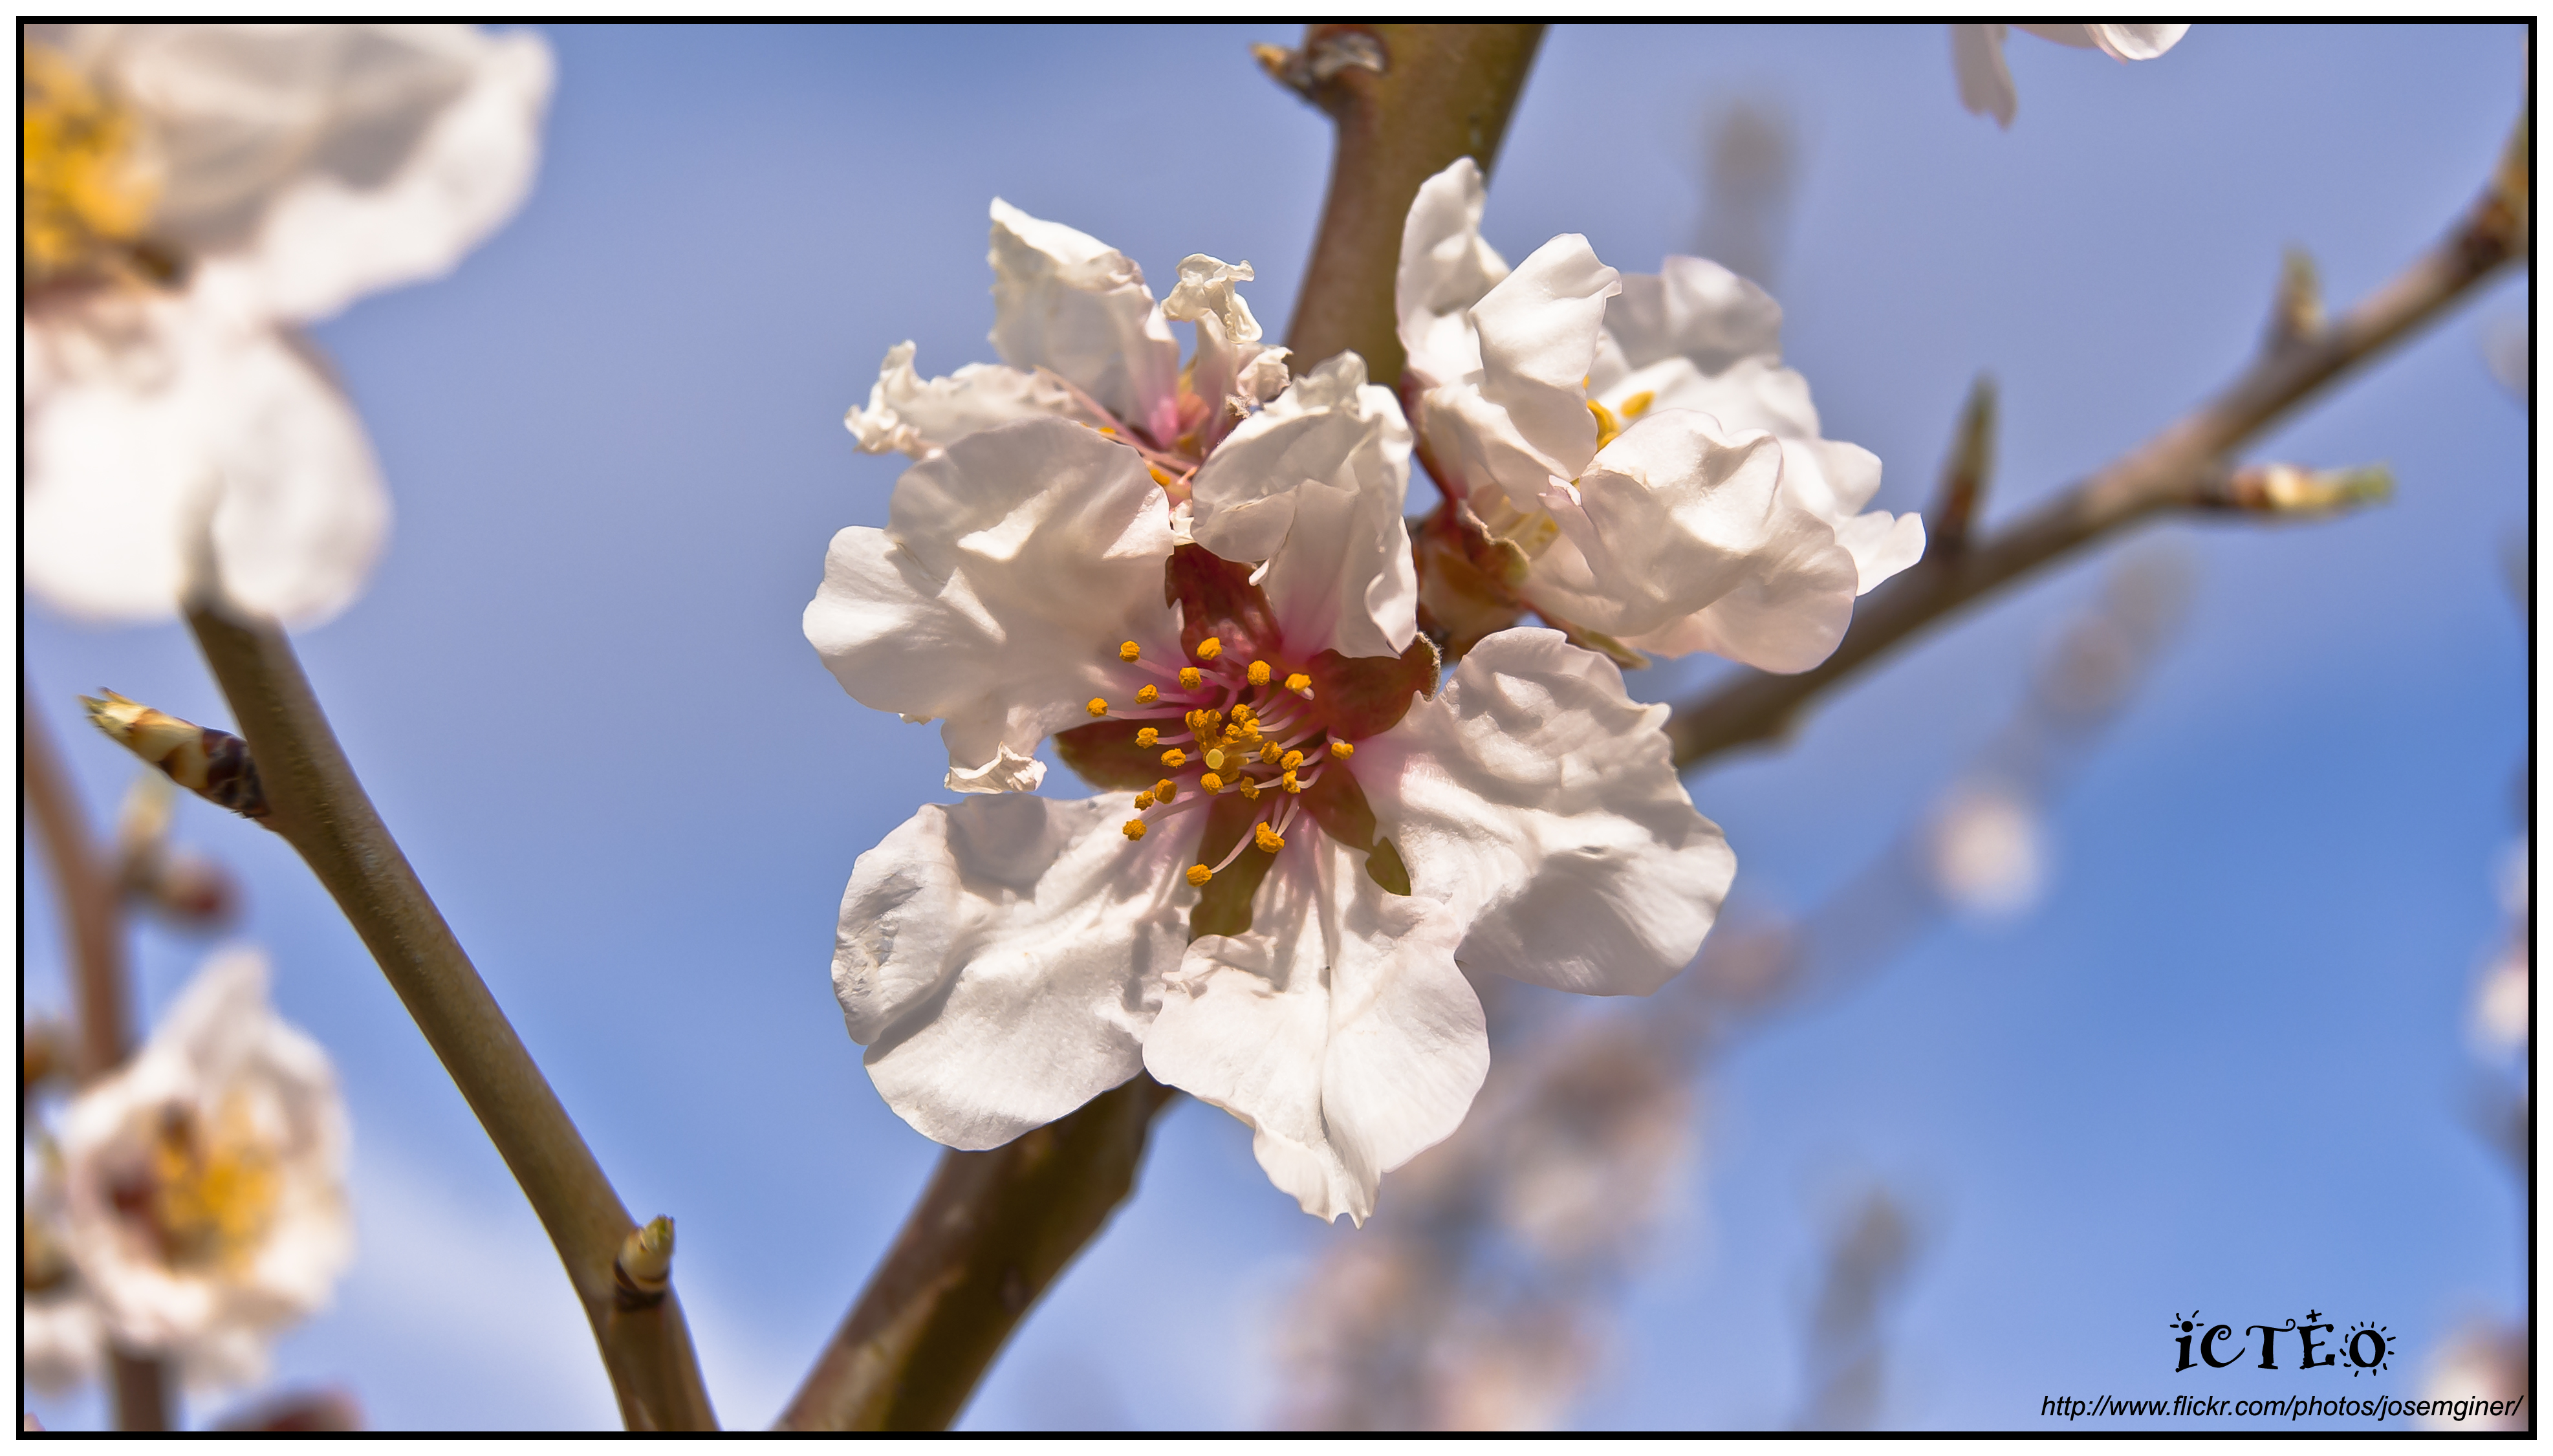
<point>1081,338</point>
<point>1637,442</point>
<point>1986,83</point>
<point>63,1342</point>
<point>1304,849</point>
<point>205,1198</point>
<point>191,194</point>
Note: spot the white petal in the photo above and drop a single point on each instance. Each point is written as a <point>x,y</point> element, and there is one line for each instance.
<point>1536,800</point>
<point>307,166</point>
<point>1315,485</point>
<point>1882,545</point>
<point>1000,960</point>
<point>1692,309</point>
<point>1338,1027</point>
<point>1067,303</point>
<point>139,415</point>
<point>1010,566</point>
<point>1444,269</point>
<point>1986,83</point>
<point>1009,772</point>
<point>1539,331</point>
<point>1671,521</point>
<point>917,416</point>
<point>2134,41</point>
<point>1233,370</point>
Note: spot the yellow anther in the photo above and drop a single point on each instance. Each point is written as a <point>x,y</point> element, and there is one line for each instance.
<point>1214,758</point>
<point>1106,429</point>
<point>1271,752</point>
<point>1606,426</point>
<point>1298,683</point>
<point>1128,651</point>
<point>1147,737</point>
<point>1293,785</point>
<point>1268,838</point>
<point>1212,783</point>
<point>1248,789</point>
<point>1173,758</point>
<point>1244,712</point>
<point>1143,800</point>
<point>1134,828</point>
<point>1190,678</point>
<point>1293,759</point>
<point>1162,478</point>
<point>1165,791</point>
<point>1209,649</point>
<point>1199,875</point>
<point>1258,674</point>
<point>1638,404</point>
<point>1342,750</point>
<point>1099,708</point>
<point>1148,695</point>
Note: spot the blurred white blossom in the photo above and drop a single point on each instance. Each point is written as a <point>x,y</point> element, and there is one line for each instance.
<point>1989,852</point>
<point>1986,83</point>
<point>204,1182</point>
<point>62,1341</point>
<point>191,194</point>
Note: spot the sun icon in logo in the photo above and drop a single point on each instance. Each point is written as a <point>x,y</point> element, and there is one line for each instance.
<point>2369,1348</point>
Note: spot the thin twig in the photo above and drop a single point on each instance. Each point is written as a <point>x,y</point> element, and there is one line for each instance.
<point>995,1228</point>
<point>93,921</point>
<point>319,808</point>
<point>2182,469</point>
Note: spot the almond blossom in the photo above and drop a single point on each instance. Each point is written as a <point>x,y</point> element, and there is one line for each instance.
<point>191,194</point>
<point>1986,83</point>
<point>1626,456</point>
<point>1303,844</point>
<point>205,1197</point>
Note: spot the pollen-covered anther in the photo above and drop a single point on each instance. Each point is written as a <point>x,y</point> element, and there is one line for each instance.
<point>1339,749</point>
<point>1199,875</point>
<point>1134,828</point>
<point>1212,783</point>
<point>1174,757</point>
<point>1191,678</point>
<point>1293,759</point>
<point>1293,784</point>
<point>1099,708</point>
<point>1164,477</point>
<point>1248,789</point>
<point>1165,791</point>
<point>1638,404</point>
<point>1607,425</point>
<point>1147,737</point>
<point>1209,649</point>
<point>1128,651</point>
<point>1258,674</point>
<point>1299,683</point>
<point>1148,695</point>
<point>1143,800</point>
<point>1268,838</point>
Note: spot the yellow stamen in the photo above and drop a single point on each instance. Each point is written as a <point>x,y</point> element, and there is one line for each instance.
<point>1162,478</point>
<point>1199,875</point>
<point>1189,678</point>
<point>1298,683</point>
<point>1268,838</point>
<point>87,188</point>
<point>1148,695</point>
<point>1143,800</point>
<point>1258,674</point>
<point>1212,783</point>
<point>1342,750</point>
<point>1638,404</point>
<point>1293,785</point>
<point>1606,426</point>
<point>1293,759</point>
<point>1209,649</point>
<point>1105,429</point>
<point>1147,737</point>
<point>1099,708</point>
<point>1173,758</point>
<point>1134,828</point>
<point>1165,791</point>
<point>1271,752</point>
<point>1128,651</point>
<point>1250,789</point>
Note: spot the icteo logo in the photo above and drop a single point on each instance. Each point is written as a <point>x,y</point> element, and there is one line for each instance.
<point>2363,1350</point>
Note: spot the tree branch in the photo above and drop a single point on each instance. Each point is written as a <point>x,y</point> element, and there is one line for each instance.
<point>2182,469</point>
<point>995,1228</point>
<point>93,921</point>
<point>319,808</point>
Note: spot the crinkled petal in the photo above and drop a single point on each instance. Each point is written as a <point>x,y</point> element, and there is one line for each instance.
<point>1882,545</point>
<point>1338,1027</point>
<point>1672,519</point>
<point>140,418</point>
<point>1066,301</point>
<point>909,414</point>
<point>1445,268</point>
<point>1691,309</point>
<point>1233,373</point>
<point>1539,331</point>
<point>1011,566</point>
<point>1985,81</point>
<point>1536,800</point>
<point>1001,957</point>
<point>306,166</point>
<point>1314,483</point>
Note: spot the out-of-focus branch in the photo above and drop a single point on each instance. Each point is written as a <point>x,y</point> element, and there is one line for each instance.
<point>93,917</point>
<point>1408,99</point>
<point>990,1233</point>
<point>2182,469</point>
<point>315,803</point>
<point>995,1228</point>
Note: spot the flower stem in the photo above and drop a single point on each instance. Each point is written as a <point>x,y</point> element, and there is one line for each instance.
<point>321,810</point>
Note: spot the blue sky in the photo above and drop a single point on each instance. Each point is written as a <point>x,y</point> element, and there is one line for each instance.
<point>2223,1064</point>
